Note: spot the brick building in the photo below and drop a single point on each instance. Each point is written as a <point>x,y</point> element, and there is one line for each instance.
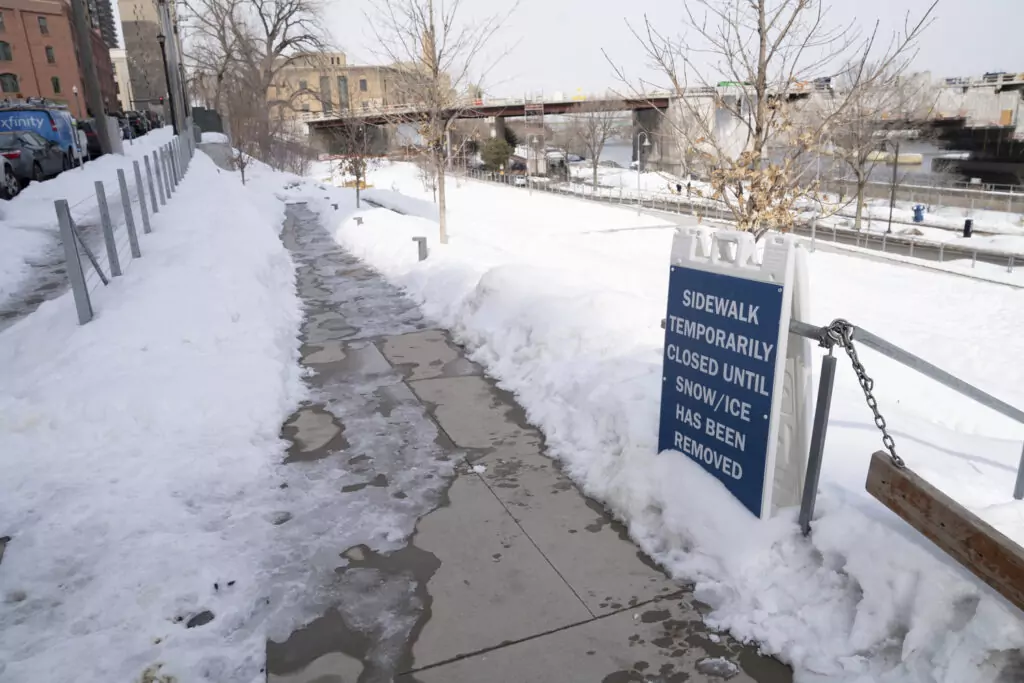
<point>38,56</point>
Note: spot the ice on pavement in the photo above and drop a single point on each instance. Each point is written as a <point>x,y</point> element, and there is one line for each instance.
<point>561,301</point>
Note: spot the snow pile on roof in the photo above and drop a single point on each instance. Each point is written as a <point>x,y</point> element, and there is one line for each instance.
<point>561,300</point>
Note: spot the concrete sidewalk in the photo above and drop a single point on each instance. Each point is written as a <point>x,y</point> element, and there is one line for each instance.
<point>512,575</point>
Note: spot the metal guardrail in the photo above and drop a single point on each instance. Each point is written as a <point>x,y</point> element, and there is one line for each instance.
<point>826,384</point>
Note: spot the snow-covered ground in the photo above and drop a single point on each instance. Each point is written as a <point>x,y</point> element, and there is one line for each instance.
<point>561,300</point>
<point>28,223</point>
<point>138,451</point>
<point>1004,230</point>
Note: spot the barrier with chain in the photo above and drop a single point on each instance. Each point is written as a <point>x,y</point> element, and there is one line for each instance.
<point>979,547</point>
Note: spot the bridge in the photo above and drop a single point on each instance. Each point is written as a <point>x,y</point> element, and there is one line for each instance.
<point>489,107</point>
<point>983,114</point>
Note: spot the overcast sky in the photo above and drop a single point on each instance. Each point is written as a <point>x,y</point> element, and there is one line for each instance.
<point>556,45</point>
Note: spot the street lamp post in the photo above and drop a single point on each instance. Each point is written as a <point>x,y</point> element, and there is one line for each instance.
<point>642,135</point>
<point>536,162</point>
<point>162,39</point>
<point>892,189</point>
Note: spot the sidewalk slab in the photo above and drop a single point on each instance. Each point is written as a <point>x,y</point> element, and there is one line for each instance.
<point>492,586</point>
<point>663,642</point>
<point>591,551</point>
<point>472,414</point>
<point>427,355</point>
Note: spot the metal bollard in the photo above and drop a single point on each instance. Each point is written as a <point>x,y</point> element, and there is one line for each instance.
<point>108,230</point>
<point>140,188</point>
<point>421,243</point>
<point>129,216</point>
<point>168,182</point>
<point>817,450</point>
<point>74,263</point>
<point>942,250</point>
<point>974,258</point>
<point>1009,268</point>
<point>159,180</point>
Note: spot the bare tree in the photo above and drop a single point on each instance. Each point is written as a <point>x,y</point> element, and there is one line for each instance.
<point>354,141</point>
<point>244,47</point>
<point>871,116</point>
<point>592,125</point>
<point>433,59</point>
<point>770,53</point>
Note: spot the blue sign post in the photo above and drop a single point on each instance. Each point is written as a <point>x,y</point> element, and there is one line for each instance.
<point>723,338</point>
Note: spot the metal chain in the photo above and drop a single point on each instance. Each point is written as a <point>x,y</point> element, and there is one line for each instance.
<point>840,333</point>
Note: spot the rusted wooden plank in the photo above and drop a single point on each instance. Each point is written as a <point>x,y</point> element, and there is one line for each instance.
<point>968,539</point>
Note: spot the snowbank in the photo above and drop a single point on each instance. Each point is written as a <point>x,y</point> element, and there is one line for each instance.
<point>561,301</point>
<point>28,223</point>
<point>138,451</point>
<point>216,137</point>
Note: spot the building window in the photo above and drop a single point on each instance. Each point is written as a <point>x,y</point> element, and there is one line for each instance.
<point>50,57</point>
<point>9,83</point>
<point>43,28</point>
<point>362,85</point>
<point>5,52</point>
<point>302,85</point>
<point>2,26</point>
<point>55,82</point>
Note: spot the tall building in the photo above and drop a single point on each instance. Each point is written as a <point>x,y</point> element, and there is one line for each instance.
<point>39,57</point>
<point>101,14</point>
<point>140,26</point>
<point>122,79</point>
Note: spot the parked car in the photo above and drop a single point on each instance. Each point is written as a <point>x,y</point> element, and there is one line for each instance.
<point>520,181</point>
<point>92,140</point>
<point>32,156</point>
<point>139,124</point>
<point>155,120</point>
<point>45,119</point>
<point>9,185</point>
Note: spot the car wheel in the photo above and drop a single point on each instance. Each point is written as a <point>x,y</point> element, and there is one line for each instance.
<point>65,162</point>
<point>11,186</point>
<point>37,172</point>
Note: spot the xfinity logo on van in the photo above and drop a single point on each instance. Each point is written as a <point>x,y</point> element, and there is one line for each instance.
<point>21,123</point>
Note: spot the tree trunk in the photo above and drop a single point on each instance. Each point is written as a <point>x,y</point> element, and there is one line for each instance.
<point>861,182</point>
<point>357,190</point>
<point>594,165</point>
<point>441,204</point>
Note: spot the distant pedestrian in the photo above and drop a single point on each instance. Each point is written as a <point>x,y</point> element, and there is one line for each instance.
<point>688,188</point>
<point>679,188</point>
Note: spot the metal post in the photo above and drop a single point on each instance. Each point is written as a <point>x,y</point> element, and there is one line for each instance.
<point>421,243</point>
<point>74,263</point>
<point>1018,489</point>
<point>911,246</point>
<point>108,230</point>
<point>942,249</point>
<point>818,431</point>
<point>892,197</point>
<point>814,228</point>
<point>974,258</point>
<point>1009,268</point>
<point>173,165</point>
<point>141,189</point>
<point>168,181</point>
<point>159,181</point>
<point>176,160</point>
<point>129,217</point>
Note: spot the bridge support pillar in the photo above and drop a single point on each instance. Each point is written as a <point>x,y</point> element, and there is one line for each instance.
<point>498,127</point>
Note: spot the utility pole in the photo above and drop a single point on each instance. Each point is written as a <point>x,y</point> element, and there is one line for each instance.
<point>93,95</point>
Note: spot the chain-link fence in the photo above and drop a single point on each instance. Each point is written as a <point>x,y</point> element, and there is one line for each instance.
<point>100,247</point>
<point>708,209</point>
